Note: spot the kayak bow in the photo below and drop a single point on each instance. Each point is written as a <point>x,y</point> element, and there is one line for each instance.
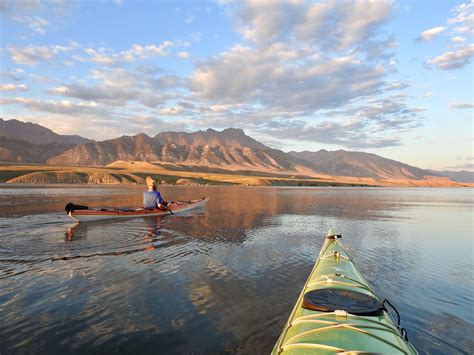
<point>84,214</point>
<point>338,312</point>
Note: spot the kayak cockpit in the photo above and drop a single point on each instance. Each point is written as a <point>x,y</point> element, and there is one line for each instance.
<point>333,299</point>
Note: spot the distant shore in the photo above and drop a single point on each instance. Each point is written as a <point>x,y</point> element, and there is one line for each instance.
<point>135,173</point>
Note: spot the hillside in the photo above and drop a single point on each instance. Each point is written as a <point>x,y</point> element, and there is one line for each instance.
<point>35,134</point>
<point>230,149</point>
<point>359,164</point>
<point>460,176</point>
<point>28,142</point>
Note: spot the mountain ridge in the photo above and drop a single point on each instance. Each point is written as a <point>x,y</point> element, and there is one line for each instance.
<point>227,150</point>
<point>32,143</point>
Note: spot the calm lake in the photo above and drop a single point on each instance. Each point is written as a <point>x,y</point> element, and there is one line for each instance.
<point>224,278</point>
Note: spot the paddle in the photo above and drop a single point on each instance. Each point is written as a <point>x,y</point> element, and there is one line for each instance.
<point>169,209</point>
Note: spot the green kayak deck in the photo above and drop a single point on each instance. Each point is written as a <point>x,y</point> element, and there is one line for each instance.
<point>338,312</point>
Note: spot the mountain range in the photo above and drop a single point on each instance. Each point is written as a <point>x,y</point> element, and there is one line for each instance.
<point>229,150</point>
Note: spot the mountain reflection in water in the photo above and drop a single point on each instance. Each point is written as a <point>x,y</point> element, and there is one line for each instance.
<point>224,278</point>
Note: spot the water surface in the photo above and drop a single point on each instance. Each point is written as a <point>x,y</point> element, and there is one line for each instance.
<point>224,278</point>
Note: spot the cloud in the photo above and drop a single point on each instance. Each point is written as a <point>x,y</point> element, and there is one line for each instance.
<point>458,56</point>
<point>184,55</point>
<point>189,19</point>
<point>463,18</point>
<point>186,105</point>
<point>20,5</point>
<point>458,39</point>
<point>136,52</point>
<point>281,77</point>
<point>170,111</point>
<point>58,107</point>
<point>308,56</point>
<point>374,124</point>
<point>13,87</point>
<point>97,92</point>
<point>426,95</point>
<point>35,23</point>
<point>397,85</point>
<point>461,105</point>
<point>16,75</point>
<point>432,33</point>
<point>327,24</point>
<point>350,135</point>
<point>456,59</point>
<point>116,87</point>
<point>32,55</point>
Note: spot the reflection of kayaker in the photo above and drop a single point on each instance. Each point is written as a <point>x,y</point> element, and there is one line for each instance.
<point>152,198</point>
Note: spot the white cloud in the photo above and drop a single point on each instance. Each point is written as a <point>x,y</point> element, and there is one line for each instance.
<point>456,59</point>
<point>114,95</point>
<point>280,77</point>
<point>329,24</point>
<point>426,95</point>
<point>135,53</point>
<point>461,105</point>
<point>32,55</point>
<point>184,55</point>
<point>458,39</point>
<point>117,87</point>
<point>464,18</point>
<point>458,56</point>
<point>189,19</point>
<point>52,106</point>
<point>13,87</point>
<point>35,23</point>
<point>350,134</point>
<point>428,35</point>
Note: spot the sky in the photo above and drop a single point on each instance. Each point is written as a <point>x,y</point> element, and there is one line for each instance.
<point>393,78</point>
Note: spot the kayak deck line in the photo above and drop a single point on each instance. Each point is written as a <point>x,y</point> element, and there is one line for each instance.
<point>325,328</point>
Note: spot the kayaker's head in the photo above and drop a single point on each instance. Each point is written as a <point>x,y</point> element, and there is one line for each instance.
<point>150,183</point>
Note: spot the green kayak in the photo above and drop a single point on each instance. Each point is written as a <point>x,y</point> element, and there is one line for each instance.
<point>338,312</point>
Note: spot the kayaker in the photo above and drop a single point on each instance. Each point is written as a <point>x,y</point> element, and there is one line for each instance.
<point>152,198</point>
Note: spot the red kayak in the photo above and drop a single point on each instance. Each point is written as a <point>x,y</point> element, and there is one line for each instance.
<point>84,214</point>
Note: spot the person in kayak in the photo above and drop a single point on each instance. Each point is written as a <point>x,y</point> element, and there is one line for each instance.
<point>152,198</point>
